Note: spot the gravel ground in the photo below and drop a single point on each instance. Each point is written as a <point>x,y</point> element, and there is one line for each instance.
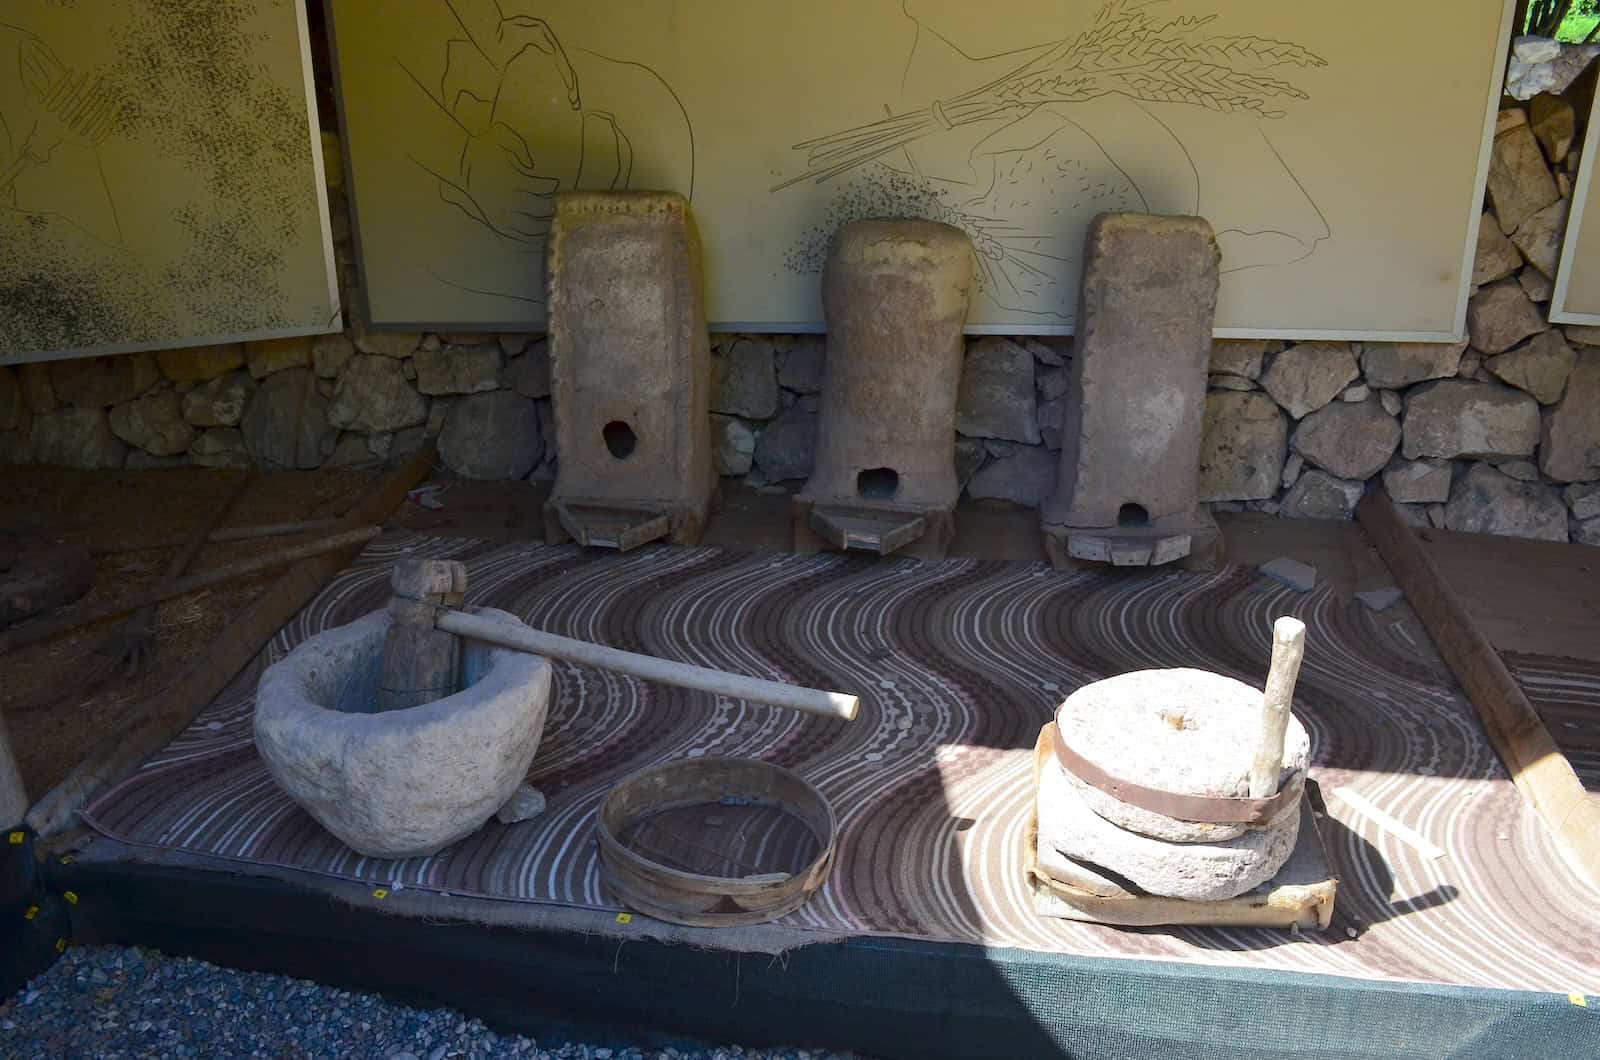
<point>106,1001</point>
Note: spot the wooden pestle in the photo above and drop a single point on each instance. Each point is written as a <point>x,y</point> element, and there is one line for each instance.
<point>1288,650</point>
<point>421,663</point>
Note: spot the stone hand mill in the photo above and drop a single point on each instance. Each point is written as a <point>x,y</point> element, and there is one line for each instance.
<point>1178,783</point>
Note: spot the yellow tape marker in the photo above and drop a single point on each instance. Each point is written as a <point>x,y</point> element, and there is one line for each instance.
<point>380,893</point>
<point>70,896</point>
<point>32,912</point>
<point>61,945</point>
<point>624,918</point>
<point>1579,1000</point>
<point>16,838</point>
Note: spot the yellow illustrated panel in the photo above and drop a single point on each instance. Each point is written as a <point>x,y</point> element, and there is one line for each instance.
<point>160,177</point>
<point>1338,150</point>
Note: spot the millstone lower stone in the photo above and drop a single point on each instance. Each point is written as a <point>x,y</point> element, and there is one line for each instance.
<point>1187,731</point>
<point>1107,855</point>
<point>401,783</point>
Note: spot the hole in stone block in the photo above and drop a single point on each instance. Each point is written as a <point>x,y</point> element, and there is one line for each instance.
<point>620,439</point>
<point>877,482</point>
<point>1133,515</point>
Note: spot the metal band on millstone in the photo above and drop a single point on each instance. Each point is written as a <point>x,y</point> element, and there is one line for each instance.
<point>1210,809</point>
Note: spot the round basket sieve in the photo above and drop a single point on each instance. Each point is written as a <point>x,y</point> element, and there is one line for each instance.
<point>715,842</point>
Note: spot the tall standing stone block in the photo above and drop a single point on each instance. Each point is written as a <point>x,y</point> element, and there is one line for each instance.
<point>630,371</point>
<point>1127,489</point>
<point>884,479</point>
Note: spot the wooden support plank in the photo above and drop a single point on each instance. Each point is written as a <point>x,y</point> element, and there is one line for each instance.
<point>1530,755</point>
<point>152,728</point>
<point>13,799</point>
<point>227,533</point>
<point>166,590</point>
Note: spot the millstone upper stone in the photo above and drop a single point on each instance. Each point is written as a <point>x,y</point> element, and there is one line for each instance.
<point>1186,731</point>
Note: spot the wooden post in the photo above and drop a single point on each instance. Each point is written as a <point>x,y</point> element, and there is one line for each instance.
<point>43,629</point>
<point>420,662</point>
<point>13,800</point>
<point>1288,650</point>
<point>1537,766</point>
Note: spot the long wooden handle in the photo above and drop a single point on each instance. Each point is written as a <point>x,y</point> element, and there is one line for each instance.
<point>1288,650</point>
<point>521,638</point>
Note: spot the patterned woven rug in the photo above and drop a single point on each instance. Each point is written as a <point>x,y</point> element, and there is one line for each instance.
<point>957,665</point>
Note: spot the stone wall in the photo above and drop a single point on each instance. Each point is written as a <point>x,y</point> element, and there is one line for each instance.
<point>1500,434</point>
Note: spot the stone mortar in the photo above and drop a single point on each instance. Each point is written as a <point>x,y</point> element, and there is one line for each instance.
<point>402,783</point>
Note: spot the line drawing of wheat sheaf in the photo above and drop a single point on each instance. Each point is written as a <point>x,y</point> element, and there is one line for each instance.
<point>1024,135</point>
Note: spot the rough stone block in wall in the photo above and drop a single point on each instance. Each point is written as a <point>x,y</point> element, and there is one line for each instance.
<point>1538,239</point>
<point>458,369</point>
<point>1242,449</point>
<point>219,402</point>
<point>374,395</point>
<point>286,425</point>
<point>1484,501</point>
<point>996,398</point>
<point>12,406</point>
<point>1319,495</point>
<point>153,423</point>
<point>100,382</point>
<point>1392,365</point>
<point>1540,366</point>
<point>1307,376</point>
<point>744,379</point>
<point>278,355</point>
<point>1502,315</point>
<point>77,437</point>
<point>1520,184</point>
<point>803,364</point>
<point>1350,440</point>
<point>492,436</point>
<point>1496,256</point>
<point>329,354</point>
<point>1569,448</point>
<point>529,372</point>
<point>1242,357</point>
<point>1456,419</point>
<point>1418,481</point>
<point>199,363</point>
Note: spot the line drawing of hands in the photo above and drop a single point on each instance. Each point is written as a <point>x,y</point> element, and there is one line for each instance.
<point>497,179</point>
<point>47,106</point>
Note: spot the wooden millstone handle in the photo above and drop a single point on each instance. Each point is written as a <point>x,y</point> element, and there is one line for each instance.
<point>1288,650</point>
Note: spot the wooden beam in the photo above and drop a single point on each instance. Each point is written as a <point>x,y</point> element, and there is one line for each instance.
<point>1536,764</point>
<point>44,629</point>
<point>169,713</point>
<point>13,799</point>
